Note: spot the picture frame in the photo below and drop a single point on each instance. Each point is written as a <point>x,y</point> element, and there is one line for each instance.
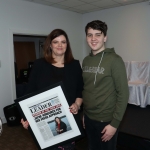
<point>43,109</point>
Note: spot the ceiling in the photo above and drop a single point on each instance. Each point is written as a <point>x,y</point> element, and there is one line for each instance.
<point>85,6</point>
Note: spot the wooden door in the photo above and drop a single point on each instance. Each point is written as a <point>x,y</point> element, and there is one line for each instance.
<point>24,53</point>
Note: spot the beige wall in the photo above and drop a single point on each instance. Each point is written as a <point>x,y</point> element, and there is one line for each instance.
<point>128,30</point>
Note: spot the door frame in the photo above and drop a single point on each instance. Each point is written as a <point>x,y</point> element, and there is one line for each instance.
<point>11,53</point>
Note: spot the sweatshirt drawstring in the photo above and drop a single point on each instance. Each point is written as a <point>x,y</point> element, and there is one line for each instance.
<point>98,67</point>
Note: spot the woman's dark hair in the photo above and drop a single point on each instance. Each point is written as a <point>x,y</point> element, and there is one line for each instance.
<point>97,25</point>
<point>48,51</point>
<point>56,121</point>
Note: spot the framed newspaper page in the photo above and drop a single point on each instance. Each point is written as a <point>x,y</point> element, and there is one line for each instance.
<point>43,109</point>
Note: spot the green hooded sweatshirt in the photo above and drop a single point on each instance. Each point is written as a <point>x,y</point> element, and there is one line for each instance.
<point>105,94</point>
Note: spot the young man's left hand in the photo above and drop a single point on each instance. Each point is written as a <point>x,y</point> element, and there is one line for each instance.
<point>108,133</point>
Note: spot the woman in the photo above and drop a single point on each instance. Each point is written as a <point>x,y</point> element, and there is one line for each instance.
<point>60,126</point>
<point>58,65</point>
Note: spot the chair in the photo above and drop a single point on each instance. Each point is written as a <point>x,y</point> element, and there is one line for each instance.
<point>147,96</point>
<point>128,69</point>
<point>138,80</point>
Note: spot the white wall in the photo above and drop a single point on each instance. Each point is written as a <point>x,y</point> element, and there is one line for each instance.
<point>128,30</point>
<point>29,18</point>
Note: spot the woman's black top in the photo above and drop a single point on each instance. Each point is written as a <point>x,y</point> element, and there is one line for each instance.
<point>57,74</point>
<point>44,74</point>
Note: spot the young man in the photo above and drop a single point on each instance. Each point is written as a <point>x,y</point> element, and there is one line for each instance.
<point>105,93</point>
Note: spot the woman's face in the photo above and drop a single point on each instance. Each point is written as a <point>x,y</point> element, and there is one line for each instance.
<point>57,120</point>
<point>59,46</point>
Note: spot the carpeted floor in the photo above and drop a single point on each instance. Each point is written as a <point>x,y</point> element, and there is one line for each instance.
<point>136,121</point>
<point>17,138</point>
<point>135,128</point>
<point>134,133</point>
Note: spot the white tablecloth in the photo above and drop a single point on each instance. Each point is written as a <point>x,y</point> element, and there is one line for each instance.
<point>138,74</point>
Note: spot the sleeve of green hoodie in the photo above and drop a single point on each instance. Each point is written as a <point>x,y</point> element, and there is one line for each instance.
<point>121,84</point>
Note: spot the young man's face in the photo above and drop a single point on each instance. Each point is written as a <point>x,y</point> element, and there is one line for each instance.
<point>96,40</point>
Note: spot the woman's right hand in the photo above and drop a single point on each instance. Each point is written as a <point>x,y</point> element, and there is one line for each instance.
<point>25,124</point>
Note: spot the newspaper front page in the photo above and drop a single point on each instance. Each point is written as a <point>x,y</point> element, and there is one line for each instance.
<point>44,114</point>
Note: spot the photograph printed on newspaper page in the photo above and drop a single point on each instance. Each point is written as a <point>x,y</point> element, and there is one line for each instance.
<point>43,112</point>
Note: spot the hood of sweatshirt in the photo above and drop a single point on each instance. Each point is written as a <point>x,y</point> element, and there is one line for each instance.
<point>102,53</point>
